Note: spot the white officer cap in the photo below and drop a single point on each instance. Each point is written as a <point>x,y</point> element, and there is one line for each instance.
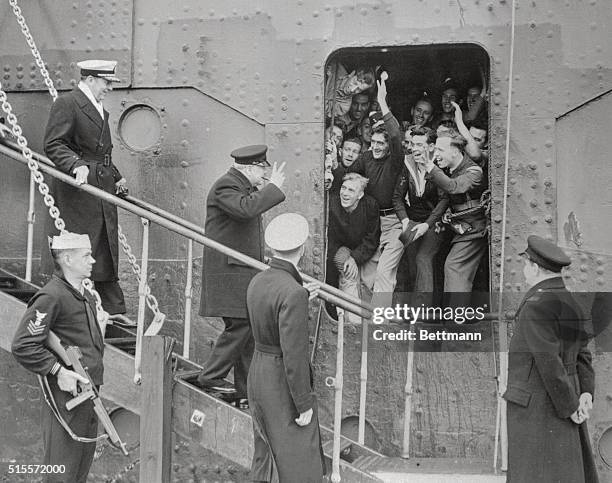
<point>69,241</point>
<point>99,68</point>
<point>286,232</point>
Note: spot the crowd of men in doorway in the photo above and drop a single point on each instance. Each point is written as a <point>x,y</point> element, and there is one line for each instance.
<point>406,195</point>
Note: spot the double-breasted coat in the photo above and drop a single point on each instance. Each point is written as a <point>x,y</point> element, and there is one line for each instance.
<point>549,367</point>
<point>279,383</point>
<point>76,135</point>
<point>233,217</point>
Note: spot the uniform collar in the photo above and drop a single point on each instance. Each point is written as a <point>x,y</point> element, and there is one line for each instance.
<point>554,283</point>
<point>60,277</point>
<point>287,267</point>
<point>241,177</point>
<point>84,88</point>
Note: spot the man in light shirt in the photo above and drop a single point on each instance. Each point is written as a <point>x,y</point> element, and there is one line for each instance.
<point>78,141</point>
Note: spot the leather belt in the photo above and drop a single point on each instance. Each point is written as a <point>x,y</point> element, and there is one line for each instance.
<point>465,206</point>
<point>268,349</point>
<point>105,159</point>
<point>387,211</point>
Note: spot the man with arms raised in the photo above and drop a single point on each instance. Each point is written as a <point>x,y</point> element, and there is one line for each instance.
<point>382,165</point>
<point>461,193</point>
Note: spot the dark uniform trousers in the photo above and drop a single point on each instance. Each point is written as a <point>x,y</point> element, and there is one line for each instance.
<point>59,447</point>
<point>234,348</point>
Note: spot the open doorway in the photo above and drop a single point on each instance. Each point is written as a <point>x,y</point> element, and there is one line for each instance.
<point>422,83</point>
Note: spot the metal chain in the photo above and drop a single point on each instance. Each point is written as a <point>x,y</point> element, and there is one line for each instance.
<point>150,298</point>
<point>33,48</point>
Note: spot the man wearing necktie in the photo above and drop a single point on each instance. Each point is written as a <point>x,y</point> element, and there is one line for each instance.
<point>78,141</point>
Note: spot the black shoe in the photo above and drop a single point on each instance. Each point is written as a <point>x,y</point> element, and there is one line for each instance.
<point>242,403</point>
<point>220,386</point>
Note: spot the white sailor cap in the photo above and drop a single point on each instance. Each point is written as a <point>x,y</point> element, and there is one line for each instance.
<point>68,241</point>
<point>99,68</point>
<point>286,232</point>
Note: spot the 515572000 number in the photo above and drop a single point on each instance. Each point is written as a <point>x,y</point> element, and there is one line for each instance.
<point>33,469</point>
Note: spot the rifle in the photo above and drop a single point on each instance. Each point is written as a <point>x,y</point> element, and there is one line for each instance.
<point>71,356</point>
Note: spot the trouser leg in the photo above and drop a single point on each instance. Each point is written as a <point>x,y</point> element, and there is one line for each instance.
<point>59,447</point>
<point>111,296</point>
<point>391,250</point>
<point>350,286</point>
<point>234,348</point>
<point>425,254</point>
<point>460,268</point>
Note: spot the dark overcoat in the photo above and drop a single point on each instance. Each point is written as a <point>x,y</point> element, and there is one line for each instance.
<point>233,217</point>
<point>279,382</point>
<point>76,135</point>
<point>549,367</point>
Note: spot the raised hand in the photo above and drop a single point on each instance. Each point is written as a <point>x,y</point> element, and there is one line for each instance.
<point>278,176</point>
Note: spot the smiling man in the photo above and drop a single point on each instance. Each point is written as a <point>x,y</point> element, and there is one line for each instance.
<point>234,209</point>
<point>418,206</point>
<point>353,236</point>
<point>78,141</point>
<point>461,193</point>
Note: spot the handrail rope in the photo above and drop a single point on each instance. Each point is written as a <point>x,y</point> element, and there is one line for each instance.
<point>149,297</point>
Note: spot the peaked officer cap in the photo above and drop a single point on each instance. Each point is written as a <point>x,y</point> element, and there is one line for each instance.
<point>99,68</point>
<point>286,232</point>
<point>546,254</point>
<point>67,241</point>
<point>251,155</point>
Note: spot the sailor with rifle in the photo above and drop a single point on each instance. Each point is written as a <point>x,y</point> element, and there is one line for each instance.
<point>62,314</point>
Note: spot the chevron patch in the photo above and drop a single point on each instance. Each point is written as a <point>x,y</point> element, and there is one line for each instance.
<point>37,328</point>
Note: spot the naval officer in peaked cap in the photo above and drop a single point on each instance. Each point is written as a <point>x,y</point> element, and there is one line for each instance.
<point>550,377</point>
<point>282,400</point>
<point>234,207</point>
<point>78,141</point>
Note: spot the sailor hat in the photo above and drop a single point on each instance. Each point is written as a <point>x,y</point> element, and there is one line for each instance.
<point>546,254</point>
<point>99,68</point>
<point>251,155</point>
<point>69,241</point>
<point>286,232</point>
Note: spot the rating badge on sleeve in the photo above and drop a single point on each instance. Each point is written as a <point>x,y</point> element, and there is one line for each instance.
<point>37,328</point>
